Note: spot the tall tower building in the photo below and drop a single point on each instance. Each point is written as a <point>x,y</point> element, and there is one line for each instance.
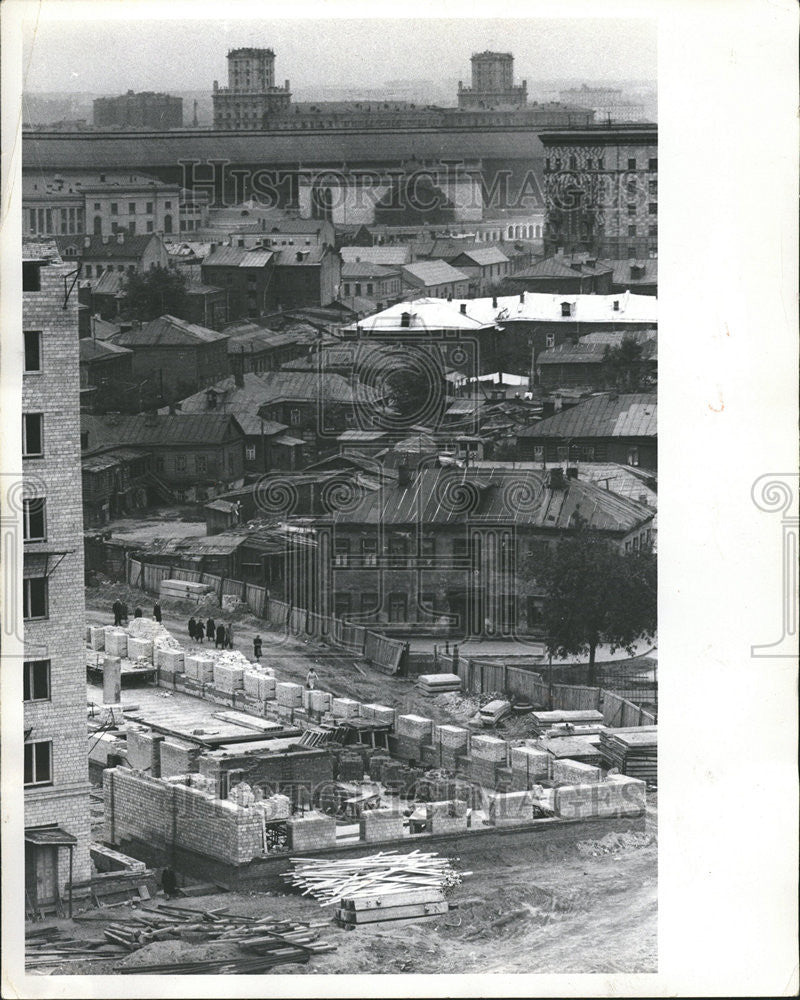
<point>56,776</point>
<point>492,83</point>
<point>251,94</point>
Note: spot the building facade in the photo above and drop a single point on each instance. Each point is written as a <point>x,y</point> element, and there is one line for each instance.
<point>601,190</point>
<point>251,94</point>
<point>143,110</point>
<point>492,83</point>
<point>57,829</point>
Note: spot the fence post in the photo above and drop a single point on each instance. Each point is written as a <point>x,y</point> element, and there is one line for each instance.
<point>505,678</point>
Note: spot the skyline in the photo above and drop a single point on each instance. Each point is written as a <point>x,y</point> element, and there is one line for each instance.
<point>190,55</point>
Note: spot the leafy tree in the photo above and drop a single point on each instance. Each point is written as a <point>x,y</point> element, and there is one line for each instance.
<point>151,294</point>
<point>595,593</point>
<point>622,365</point>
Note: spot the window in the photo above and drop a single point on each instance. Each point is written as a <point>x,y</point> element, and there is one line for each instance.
<point>114,208</point>
<point>358,288</point>
<point>652,163</point>
<point>36,680</point>
<point>34,597</point>
<point>33,350</point>
<point>149,208</point>
<point>547,163</point>
<point>558,163</point>
<point>150,226</point>
<point>631,163</point>
<point>201,463</point>
<point>652,208</point>
<point>33,520</point>
<point>633,456</point>
<point>652,187</point>
<point>370,287</point>
<point>589,163</point>
<point>562,451</point>
<point>39,763</point>
<point>84,440</point>
<point>31,276</point>
<point>250,452</point>
<point>369,551</point>
<point>586,453</point>
<point>131,208</point>
<point>631,230</point>
<point>347,288</point>
<point>132,231</point>
<point>32,435</point>
<point>632,188</point>
<point>97,206</point>
<point>538,453</point>
<point>573,163</point>
<point>87,269</point>
<point>294,417</point>
<point>341,552</point>
<point>600,163</point>
<point>168,205</point>
<point>398,607</point>
<point>566,309</point>
<point>652,230</point>
<point>160,463</point>
<point>180,463</point>
<point>632,210</point>
<point>550,340</point>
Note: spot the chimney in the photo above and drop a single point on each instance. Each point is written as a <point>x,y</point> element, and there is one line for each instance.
<point>494,302</point>
<point>522,296</point>
<point>555,479</point>
<point>404,476</point>
<point>463,309</point>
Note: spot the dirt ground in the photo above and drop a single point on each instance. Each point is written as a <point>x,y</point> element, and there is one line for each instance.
<point>593,909</point>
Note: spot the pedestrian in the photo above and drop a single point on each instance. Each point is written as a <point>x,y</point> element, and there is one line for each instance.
<point>124,613</point>
<point>116,607</point>
<point>137,613</point>
<point>168,882</point>
<point>311,679</point>
<point>229,636</point>
<point>157,612</point>
<point>220,639</point>
<point>192,627</point>
<point>257,647</point>
<point>211,629</point>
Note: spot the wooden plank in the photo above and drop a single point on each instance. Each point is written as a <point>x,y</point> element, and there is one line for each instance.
<point>392,913</point>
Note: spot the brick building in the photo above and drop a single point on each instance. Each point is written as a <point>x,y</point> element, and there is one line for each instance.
<point>601,190</point>
<point>122,253</point>
<point>492,83</point>
<point>251,94</point>
<point>143,110</point>
<point>56,777</point>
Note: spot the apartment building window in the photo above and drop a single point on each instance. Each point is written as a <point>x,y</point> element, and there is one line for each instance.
<point>369,551</point>
<point>341,552</point>
<point>631,230</point>
<point>201,463</point>
<point>38,769</point>
<point>633,456</point>
<point>33,519</point>
<point>150,226</point>
<point>398,607</point>
<point>652,187</point>
<point>114,208</point>
<point>631,163</point>
<point>33,351</point>
<point>32,435</point>
<point>180,463</point>
<point>294,417</point>
<point>250,452</point>
<point>631,210</point>
<point>168,205</point>
<point>34,597</point>
<point>652,208</point>
<point>36,680</point>
<point>149,208</point>
<point>97,206</point>
<point>131,208</point>
<point>652,163</point>
<point>31,276</point>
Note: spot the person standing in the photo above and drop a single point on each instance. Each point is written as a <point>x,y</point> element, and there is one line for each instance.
<point>257,648</point>
<point>116,607</point>
<point>157,612</point>
<point>124,614</point>
<point>220,639</point>
<point>137,613</point>
<point>229,636</point>
<point>311,679</point>
<point>192,627</point>
<point>211,629</point>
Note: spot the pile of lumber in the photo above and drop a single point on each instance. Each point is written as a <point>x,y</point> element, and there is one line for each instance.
<point>416,904</point>
<point>433,684</point>
<point>112,887</point>
<point>381,875</point>
<point>265,941</point>
<point>633,751</point>
<point>541,722</point>
<point>585,749</point>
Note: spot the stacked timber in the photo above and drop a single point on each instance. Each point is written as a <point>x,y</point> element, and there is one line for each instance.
<point>433,684</point>
<point>541,722</point>
<point>416,905</point>
<point>633,751</point>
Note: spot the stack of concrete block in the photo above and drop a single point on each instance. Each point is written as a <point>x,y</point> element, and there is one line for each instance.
<point>140,649</point>
<point>618,795</point>
<point>412,733</point>
<point>178,757</point>
<point>575,772</point>
<point>446,817</point>
<point>319,701</point>
<point>96,637</point>
<point>289,695</point>
<point>380,824</point>
<point>116,641</point>
<point>529,767</point>
<point>487,753</point>
<point>199,668</point>
<point>311,832</point>
<point>228,678</point>
<point>169,663</point>
<point>344,708</point>
<point>144,750</point>
<point>379,714</point>
<point>275,807</point>
<point>453,742</point>
<point>511,808</point>
<point>351,767</point>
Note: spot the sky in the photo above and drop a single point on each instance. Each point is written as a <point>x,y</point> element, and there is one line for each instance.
<point>105,56</point>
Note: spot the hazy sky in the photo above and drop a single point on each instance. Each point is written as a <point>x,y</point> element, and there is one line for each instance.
<point>111,57</point>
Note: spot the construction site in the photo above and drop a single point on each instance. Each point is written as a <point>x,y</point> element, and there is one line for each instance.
<point>291,811</point>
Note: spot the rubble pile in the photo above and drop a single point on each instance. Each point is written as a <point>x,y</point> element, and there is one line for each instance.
<point>148,628</point>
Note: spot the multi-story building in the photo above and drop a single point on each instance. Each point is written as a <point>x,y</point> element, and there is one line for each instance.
<point>122,254</point>
<point>601,190</point>
<point>143,110</point>
<point>251,94</point>
<point>608,103</point>
<point>56,778</point>
<point>492,83</point>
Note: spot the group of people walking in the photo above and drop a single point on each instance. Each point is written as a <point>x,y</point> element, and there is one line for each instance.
<point>120,609</point>
<point>221,635</point>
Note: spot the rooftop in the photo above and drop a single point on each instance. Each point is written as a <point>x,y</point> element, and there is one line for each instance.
<point>120,246</point>
<point>391,256</point>
<point>145,430</point>
<point>602,416</point>
<point>169,331</point>
<point>430,273</point>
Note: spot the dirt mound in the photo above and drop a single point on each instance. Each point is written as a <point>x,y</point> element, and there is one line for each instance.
<point>614,843</point>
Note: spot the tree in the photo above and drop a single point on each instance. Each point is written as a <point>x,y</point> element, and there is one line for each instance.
<point>594,593</point>
<point>151,294</point>
<point>622,365</point>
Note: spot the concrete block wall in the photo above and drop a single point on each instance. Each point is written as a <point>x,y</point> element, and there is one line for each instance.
<point>344,708</point>
<point>140,649</point>
<point>381,824</point>
<point>507,809</point>
<point>96,637</point>
<point>618,795</point>
<point>415,727</point>
<point>289,695</point>
<point>311,832</point>
<point>178,757</point>
<point>116,642</point>
<point>445,823</point>
<point>227,678</point>
<point>489,748</point>
<point>378,714</point>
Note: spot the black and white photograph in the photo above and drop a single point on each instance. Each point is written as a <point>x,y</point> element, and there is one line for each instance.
<point>333,592</point>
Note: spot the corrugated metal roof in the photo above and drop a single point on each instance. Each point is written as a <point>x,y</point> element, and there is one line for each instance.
<point>484,256</point>
<point>366,269</point>
<point>169,331</point>
<point>94,350</point>
<point>609,415</point>
<point>130,248</point>
<point>433,272</point>
<point>237,257</point>
<point>109,283</point>
<point>391,256</point>
<point>164,429</point>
